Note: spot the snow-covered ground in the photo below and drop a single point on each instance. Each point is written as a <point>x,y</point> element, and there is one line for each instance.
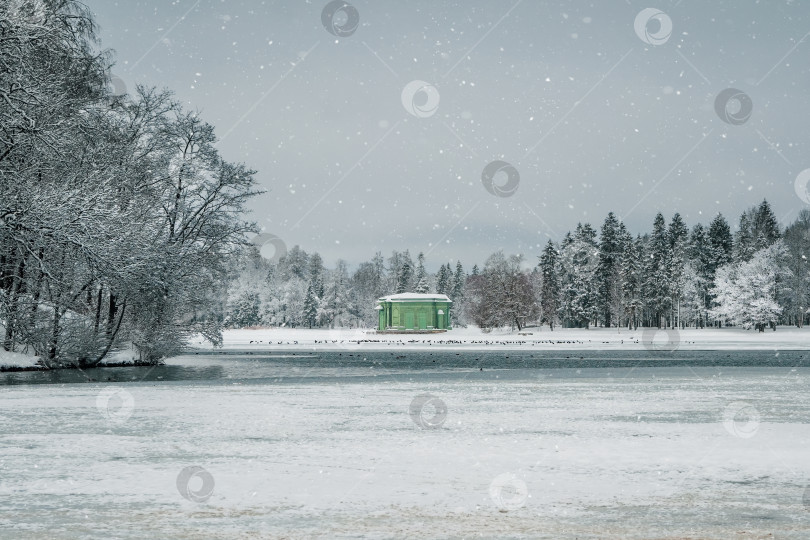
<point>658,453</point>
<point>17,359</point>
<point>28,360</point>
<point>472,338</point>
<point>785,337</point>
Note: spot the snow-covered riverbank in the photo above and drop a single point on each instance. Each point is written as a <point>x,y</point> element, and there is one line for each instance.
<point>472,338</point>
<point>785,338</point>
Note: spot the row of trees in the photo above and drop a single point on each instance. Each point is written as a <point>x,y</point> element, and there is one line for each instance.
<point>299,291</point>
<point>116,212</point>
<point>671,277</point>
<point>678,277</point>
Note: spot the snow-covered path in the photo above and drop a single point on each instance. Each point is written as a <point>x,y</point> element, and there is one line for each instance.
<point>656,452</point>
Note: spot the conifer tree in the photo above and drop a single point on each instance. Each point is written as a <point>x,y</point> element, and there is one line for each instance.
<point>656,275</point>
<point>607,271</point>
<point>633,280</point>
<point>458,282</point>
<point>421,284</point>
<point>310,306</point>
<point>678,241</point>
<point>442,281</point>
<point>550,287</point>
<point>404,279</point>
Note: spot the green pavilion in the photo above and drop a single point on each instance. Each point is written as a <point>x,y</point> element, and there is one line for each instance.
<point>414,312</point>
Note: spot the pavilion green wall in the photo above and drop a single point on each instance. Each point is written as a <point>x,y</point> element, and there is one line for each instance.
<point>412,315</point>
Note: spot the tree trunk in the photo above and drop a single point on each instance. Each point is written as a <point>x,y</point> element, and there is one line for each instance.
<point>55,331</point>
<point>111,309</point>
<point>98,308</point>
<point>11,316</point>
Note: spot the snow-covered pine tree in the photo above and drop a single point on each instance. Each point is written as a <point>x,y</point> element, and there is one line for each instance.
<point>721,243</point>
<point>766,228</point>
<point>442,281</point>
<point>421,283</point>
<point>405,276</point>
<point>310,306</point>
<point>607,272</point>
<point>335,305</point>
<point>758,229</point>
<point>700,257</point>
<point>678,235</point>
<point>656,285</point>
<point>633,280</point>
<point>459,279</point>
<point>550,290</point>
<point>316,270</point>
<point>619,301</point>
<point>458,294</point>
<point>579,258</point>
<point>796,295</point>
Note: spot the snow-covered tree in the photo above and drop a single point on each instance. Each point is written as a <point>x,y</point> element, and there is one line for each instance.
<point>550,285</point>
<point>608,271</point>
<point>503,294</point>
<point>310,306</point>
<point>443,281</point>
<point>656,287</point>
<point>421,284</point>
<point>758,229</point>
<point>633,280</point>
<point>745,292</point>
<point>404,273</point>
<point>678,235</point>
<point>579,257</point>
<point>796,294</point>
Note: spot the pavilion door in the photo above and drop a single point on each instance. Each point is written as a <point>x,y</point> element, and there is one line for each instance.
<point>422,321</point>
<point>409,320</point>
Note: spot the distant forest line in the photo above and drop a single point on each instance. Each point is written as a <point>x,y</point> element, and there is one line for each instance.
<point>672,276</point>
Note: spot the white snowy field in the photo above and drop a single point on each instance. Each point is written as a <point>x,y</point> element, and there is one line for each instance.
<point>543,453</point>
<point>472,338</point>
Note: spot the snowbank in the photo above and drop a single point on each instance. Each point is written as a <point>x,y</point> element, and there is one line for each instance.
<point>17,360</point>
<point>473,338</point>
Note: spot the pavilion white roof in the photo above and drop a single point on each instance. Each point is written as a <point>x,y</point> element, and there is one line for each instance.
<point>410,296</point>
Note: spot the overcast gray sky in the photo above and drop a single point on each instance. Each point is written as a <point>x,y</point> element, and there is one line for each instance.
<point>595,113</point>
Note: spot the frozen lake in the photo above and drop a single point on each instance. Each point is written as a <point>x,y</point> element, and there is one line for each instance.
<point>411,444</point>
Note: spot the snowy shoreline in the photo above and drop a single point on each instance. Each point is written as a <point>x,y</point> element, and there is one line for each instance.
<point>472,339</point>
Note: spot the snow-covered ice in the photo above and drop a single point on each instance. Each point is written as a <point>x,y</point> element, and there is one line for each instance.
<point>301,451</point>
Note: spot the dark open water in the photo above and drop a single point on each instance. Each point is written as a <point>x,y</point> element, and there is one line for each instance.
<point>281,368</point>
